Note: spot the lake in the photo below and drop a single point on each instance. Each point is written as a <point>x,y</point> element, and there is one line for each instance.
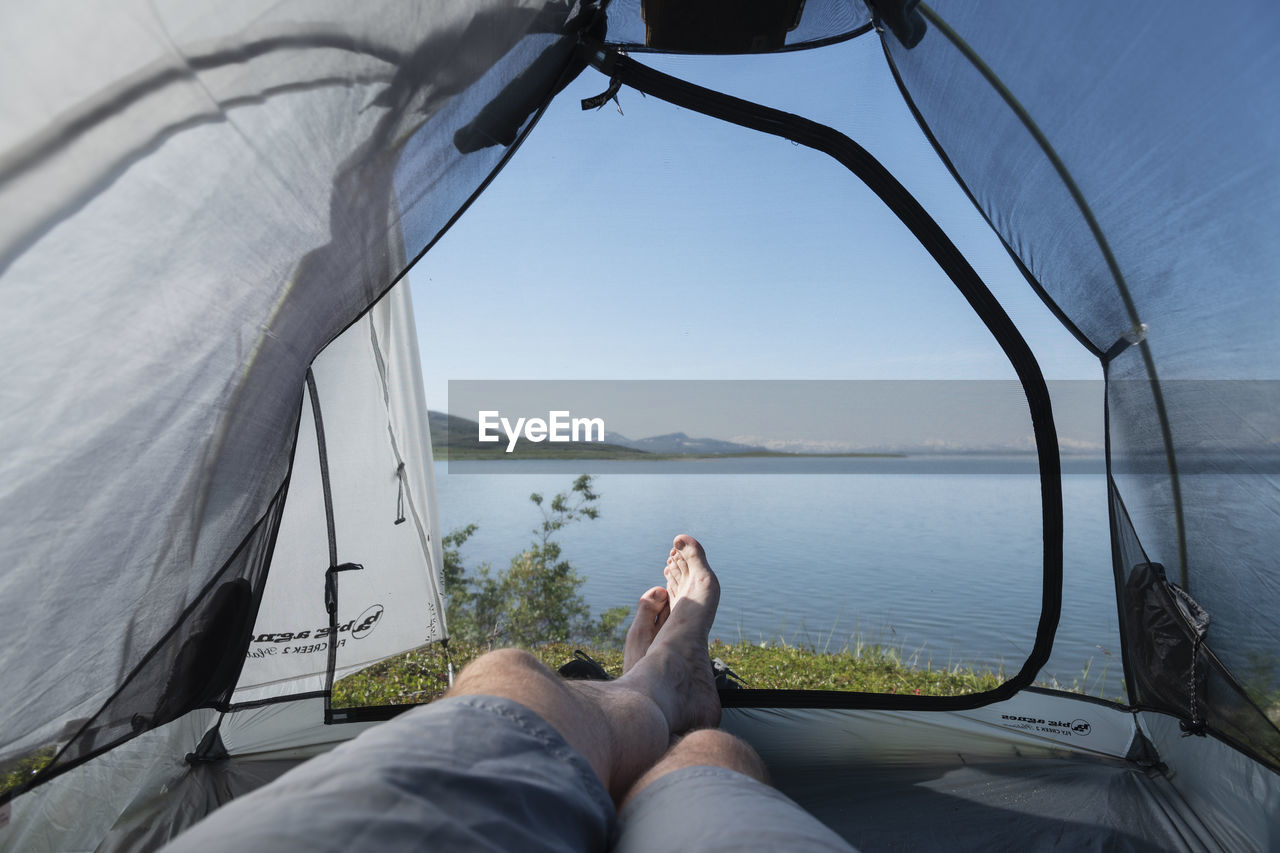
<point>939,558</point>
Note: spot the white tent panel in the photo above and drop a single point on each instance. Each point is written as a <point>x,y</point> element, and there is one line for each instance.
<point>377,455</point>
<point>284,730</point>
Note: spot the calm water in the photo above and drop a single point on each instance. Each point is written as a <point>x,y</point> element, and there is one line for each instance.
<point>944,566</point>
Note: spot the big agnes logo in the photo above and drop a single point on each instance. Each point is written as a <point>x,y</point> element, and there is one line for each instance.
<point>366,621</point>
<point>358,628</point>
<point>1079,728</point>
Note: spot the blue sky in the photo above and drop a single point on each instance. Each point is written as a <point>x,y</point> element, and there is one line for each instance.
<point>661,244</point>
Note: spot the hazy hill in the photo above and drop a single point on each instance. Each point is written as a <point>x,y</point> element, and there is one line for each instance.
<point>680,443</point>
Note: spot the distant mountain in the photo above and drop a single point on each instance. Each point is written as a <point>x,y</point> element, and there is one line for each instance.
<point>678,442</point>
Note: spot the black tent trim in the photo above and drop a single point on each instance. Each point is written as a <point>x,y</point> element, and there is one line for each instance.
<point>1116,509</point>
<point>1034,282</point>
<point>1095,229</point>
<point>931,236</point>
<point>271,700</point>
<point>331,573</point>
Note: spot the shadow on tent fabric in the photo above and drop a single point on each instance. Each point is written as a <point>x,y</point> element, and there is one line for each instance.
<point>1068,803</point>
<point>200,790</point>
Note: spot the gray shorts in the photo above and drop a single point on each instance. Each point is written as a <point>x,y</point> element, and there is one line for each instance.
<point>486,773</point>
<point>709,808</point>
<point>466,773</point>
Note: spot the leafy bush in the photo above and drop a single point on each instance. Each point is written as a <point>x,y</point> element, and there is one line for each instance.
<point>536,599</point>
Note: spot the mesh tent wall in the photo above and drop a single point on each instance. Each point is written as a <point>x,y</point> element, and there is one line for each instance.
<point>1161,263</point>
<point>201,202</point>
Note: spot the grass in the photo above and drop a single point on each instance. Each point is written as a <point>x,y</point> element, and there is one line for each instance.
<point>421,675</point>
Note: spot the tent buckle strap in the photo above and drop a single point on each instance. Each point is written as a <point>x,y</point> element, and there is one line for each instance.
<point>331,584</point>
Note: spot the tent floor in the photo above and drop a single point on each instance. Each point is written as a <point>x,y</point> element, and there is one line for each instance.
<point>1021,804</point>
<point>889,782</point>
<point>886,781</point>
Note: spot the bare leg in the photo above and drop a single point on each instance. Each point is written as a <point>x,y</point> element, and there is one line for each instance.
<point>704,747</point>
<point>623,727</point>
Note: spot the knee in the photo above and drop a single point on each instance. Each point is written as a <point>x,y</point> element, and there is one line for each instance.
<point>712,746</point>
<point>501,666</point>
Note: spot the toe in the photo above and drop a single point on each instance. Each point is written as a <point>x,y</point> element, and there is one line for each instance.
<point>686,544</point>
<point>652,602</point>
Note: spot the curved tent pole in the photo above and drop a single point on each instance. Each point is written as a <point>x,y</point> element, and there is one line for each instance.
<point>1137,334</point>
<point>854,157</point>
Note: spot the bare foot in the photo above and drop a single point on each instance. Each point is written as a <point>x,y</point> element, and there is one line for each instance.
<point>689,574</point>
<point>676,671</point>
<point>651,615</point>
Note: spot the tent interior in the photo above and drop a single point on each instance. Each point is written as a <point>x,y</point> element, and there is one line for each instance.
<point>220,496</point>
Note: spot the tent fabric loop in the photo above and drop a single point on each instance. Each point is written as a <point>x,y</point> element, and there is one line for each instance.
<point>331,605</point>
<point>331,585</point>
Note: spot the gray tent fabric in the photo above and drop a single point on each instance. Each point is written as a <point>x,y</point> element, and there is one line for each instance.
<point>192,210</point>
<point>201,204</point>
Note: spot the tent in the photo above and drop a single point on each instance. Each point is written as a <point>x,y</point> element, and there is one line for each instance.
<point>217,495</point>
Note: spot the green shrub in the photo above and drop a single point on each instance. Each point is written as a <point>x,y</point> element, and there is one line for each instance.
<point>536,599</point>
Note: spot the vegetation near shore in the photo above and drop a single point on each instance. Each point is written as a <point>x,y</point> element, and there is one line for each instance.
<point>421,675</point>
<point>534,603</point>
